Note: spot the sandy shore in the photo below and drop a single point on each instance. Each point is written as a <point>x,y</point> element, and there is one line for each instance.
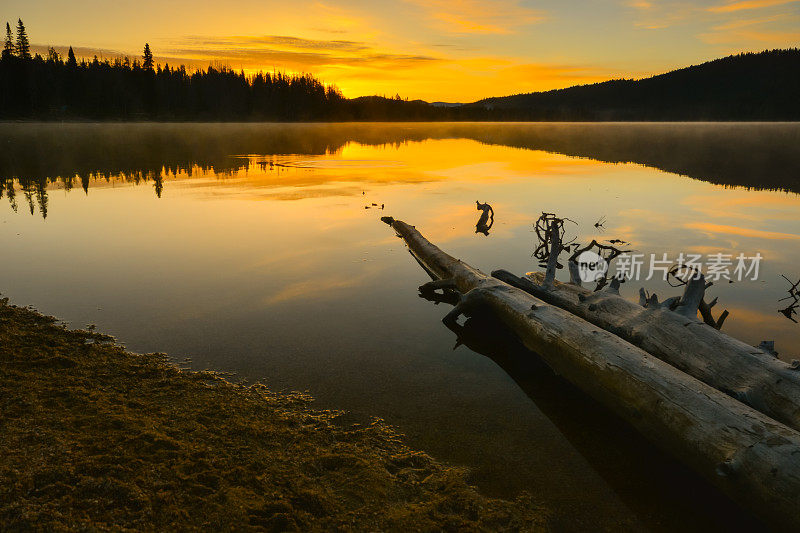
<point>97,437</point>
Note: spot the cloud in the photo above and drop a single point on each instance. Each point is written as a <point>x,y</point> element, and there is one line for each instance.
<point>477,17</point>
<point>737,24</point>
<point>660,15</point>
<point>668,13</point>
<point>291,52</point>
<point>766,32</point>
<point>282,41</point>
<point>748,4</point>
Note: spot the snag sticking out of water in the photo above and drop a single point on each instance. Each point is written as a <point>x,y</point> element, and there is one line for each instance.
<point>550,234</point>
<point>696,285</point>
<point>486,221</point>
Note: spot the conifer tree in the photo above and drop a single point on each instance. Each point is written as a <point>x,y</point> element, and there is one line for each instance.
<point>71,61</point>
<point>8,46</point>
<point>148,57</point>
<point>23,45</point>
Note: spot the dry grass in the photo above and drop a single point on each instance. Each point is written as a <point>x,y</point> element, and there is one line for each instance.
<point>94,437</point>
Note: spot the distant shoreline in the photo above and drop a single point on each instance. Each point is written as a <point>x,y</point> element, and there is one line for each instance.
<point>202,121</point>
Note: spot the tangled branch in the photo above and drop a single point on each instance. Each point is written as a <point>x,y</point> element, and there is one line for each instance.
<point>547,228</point>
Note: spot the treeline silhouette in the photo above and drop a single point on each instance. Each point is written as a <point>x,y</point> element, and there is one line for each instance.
<point>762,86</point>
<point>37,157</point>
<point>35,87</point>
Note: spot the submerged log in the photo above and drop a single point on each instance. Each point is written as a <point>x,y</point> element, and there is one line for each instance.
<point>745,372</point>
<point>747,455</point>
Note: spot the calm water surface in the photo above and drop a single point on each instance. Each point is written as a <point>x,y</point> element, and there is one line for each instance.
<point>257,249</point>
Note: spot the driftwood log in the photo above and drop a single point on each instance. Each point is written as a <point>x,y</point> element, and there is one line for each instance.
<point>752,458</point>
<point>745,372</point>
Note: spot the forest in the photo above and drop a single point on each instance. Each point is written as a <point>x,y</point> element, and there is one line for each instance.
<point>751,86</point>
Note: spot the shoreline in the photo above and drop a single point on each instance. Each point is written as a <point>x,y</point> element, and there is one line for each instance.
<point>88,121</point>
<point>98,437</point>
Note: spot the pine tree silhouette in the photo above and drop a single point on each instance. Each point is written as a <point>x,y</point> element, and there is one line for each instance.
<point>148,57</point>
<point>8,46</point>
<point>71,61</point>
<point>23,46</point>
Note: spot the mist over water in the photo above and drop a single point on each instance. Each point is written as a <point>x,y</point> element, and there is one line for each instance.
<point>256,249</point>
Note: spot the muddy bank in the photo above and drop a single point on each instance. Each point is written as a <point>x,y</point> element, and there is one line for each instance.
<point>97,437</point>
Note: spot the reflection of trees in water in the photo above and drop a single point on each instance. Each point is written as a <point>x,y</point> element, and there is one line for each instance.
<point>34,189</point>
<point>34,156</point>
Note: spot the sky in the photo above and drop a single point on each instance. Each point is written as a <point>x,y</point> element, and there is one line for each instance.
<point>436,50</point>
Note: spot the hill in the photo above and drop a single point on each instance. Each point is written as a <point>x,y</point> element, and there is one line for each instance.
<point>750,86</point>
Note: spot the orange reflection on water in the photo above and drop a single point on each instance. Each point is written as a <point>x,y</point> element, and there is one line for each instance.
<point>744,232</point>
<point>294,228</point>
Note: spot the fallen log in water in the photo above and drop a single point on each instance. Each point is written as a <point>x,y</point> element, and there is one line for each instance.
<point>752,458</point>
<point>747,373</point>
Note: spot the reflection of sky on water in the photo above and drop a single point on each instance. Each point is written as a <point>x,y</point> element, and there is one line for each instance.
<point>280,273</point>
<point>434,185</point>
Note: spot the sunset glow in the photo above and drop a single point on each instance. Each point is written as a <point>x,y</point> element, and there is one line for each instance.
<point>456,51</point>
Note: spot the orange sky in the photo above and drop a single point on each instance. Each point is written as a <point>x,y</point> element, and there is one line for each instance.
<point>451,50</point>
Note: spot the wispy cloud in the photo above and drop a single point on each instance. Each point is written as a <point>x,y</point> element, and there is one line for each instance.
<point>477,17</point>
<point>282,41</point>
<point>772,31</point>
<point>744,23</point>
<point>747,5</point>
<point>291,52</point>
<point>659,15</point>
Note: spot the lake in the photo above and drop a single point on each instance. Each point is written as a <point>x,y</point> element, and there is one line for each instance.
<point>258,249</point>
